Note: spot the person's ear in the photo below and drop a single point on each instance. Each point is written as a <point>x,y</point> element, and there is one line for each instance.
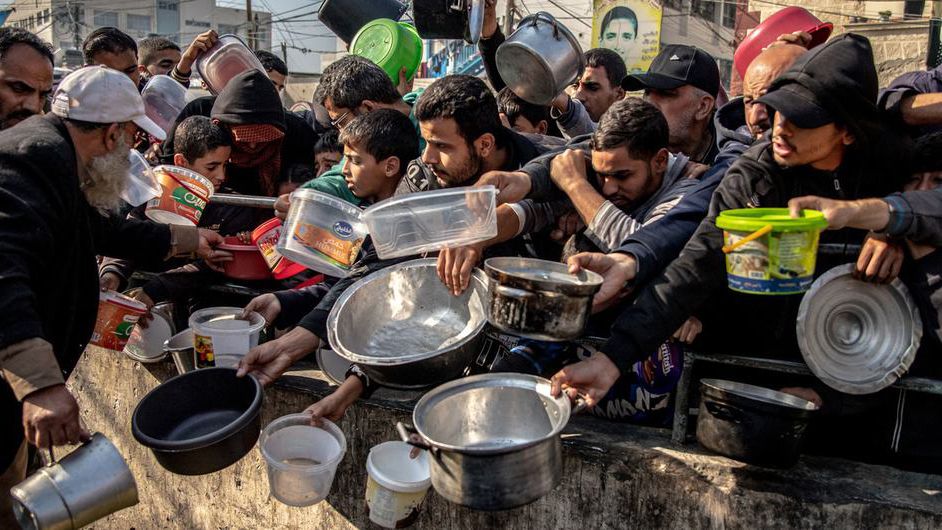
<point>848,137</point>
<point>660,160</point>
<point>542,127</point>
<point>705,108</point>
<point>368,106</point>
<point>485,145</point>
<point>112,135</point>
<point>619,93</point>
<point>391,167</point>
<point>141,69</point>
<point>180,160</point>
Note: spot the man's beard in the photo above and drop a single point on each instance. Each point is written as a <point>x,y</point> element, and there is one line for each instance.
<point>107,177</point>
<point>467,174</point>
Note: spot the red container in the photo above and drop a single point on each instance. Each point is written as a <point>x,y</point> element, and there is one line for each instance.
<point>265,236</point>
<point>247,262</point>
<point>117,315</point>
<point>788,20</point>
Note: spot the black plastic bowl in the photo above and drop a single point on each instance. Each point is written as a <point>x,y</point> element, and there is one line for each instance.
<point>201,421</point>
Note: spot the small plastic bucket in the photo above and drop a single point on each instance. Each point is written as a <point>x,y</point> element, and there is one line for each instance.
<point>781,261</point>
<point>247,262</point>
<point>183,197</point>
<point>322,232</point>
<point>391,45</point>
<point>265,237</point>
<point>397,484</point>
<point>117,315</point>
<point>221,337</point>
<point>164,98</point>
<point>301,458</point>
<point>141,184</point>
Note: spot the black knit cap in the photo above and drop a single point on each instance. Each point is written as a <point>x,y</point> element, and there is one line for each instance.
<point>249,98</point>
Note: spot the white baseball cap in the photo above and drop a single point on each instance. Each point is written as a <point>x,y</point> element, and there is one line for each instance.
<point>98,94</point>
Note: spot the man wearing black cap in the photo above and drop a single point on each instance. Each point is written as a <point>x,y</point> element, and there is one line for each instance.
<point>683,82</point>
<point>826,141</point>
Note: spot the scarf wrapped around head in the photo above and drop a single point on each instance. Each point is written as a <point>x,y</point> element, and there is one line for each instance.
<point>266,157</point>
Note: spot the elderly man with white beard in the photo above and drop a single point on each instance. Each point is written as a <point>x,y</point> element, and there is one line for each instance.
<point>60,179</point>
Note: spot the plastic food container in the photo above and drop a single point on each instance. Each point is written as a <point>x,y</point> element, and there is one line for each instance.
<point>220,332</point>
<point>228,58</point>
<point>391,45</point>
<point>117,315</point>
<point>397,484</point>
<point>164,98</point>
<point>265,237</point>
<point>141,184</point>
<point>323,233</point>
<point>184,195</point>
<point>781,261</point>
<point>301,458</point>
<point>247,262</point>
<point>146,345</point>
<point>431,220</point>
<point>787,20</point>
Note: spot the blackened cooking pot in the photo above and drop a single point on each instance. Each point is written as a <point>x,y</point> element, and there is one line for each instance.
<point>752,424</point>
<point>201,421</point>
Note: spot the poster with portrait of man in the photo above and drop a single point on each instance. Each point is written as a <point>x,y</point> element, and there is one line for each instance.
<point>632,28</point>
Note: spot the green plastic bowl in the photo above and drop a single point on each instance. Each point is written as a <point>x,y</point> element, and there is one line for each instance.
<point>391,45</point>
<point>779,262</point>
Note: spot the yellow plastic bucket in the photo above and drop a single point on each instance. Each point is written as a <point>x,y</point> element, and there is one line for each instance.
<point>781,259</point>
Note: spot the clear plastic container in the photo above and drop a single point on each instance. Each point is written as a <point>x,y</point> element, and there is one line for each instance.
<point>322,232</point>
<point>141,184</point>
<point>221,337</point>
<point>301,458</point>
<point>432,220</point>
<point>164,98</point>
<point>228,58</point>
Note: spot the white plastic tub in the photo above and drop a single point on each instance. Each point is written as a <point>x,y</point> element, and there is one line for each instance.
<point>322,232</point>
<point>228,58</point>
<point>301,458</point>
<point>431,220</point>
<point>397,484</point>
<point>221,337</point>
<point>164,98</point>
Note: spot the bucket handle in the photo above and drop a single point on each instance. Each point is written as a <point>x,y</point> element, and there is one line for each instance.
<point>751,237</point>
<point>547,18</point>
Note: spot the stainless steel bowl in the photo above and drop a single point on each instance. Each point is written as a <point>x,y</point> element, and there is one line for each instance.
<point>404,328</point>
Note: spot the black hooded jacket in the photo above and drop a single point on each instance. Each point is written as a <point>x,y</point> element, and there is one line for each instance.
<point>873,167</point>
<point>251,98</point>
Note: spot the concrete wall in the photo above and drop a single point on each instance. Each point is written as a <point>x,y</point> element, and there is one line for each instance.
<point>615,476</point>
<point>898,47</point>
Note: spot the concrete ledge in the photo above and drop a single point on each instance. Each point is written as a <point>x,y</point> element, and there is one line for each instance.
<point>615,476</point>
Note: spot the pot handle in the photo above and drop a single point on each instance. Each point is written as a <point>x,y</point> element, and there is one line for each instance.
<point>725,412</point>
<point>411,436</point>
<point>547,18</point>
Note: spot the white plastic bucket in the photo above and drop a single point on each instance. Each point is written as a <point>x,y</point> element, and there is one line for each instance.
<point>220,333</point>
<point>301,458</point>
<point>397,484</point>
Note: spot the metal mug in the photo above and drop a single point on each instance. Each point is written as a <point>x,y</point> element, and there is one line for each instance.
<point>91,482</point>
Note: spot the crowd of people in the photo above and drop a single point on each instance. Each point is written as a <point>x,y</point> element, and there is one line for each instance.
<point>623,174</point>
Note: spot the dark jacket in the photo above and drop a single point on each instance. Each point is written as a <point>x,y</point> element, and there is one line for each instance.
<point>246,100</point>
<point>906,86</point>
<point>732,133</point>
<point>755,180</point>
<point>49,237</point>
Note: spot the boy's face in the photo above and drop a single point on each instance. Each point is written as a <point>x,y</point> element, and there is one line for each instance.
<point>929,180</point>
<point>212,165</point>
<point>364,175</point>
<point>326,160</point>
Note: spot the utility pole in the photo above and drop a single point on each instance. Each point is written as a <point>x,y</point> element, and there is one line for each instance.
<point>250,25</point>
<point>284,53</point>
<point>508,17</point>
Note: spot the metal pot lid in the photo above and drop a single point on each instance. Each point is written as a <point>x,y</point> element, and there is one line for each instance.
<point>542,275</point>
<point>475,20</point>
<point>332,365</point>
<point>857,337</point>
<point>759,393</point>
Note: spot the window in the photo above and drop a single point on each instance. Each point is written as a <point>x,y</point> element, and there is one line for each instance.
<point>139,23</point>
<point>729,15</point>
<point>168,5</point>
<point>705,9</point>
<point>106,18</point>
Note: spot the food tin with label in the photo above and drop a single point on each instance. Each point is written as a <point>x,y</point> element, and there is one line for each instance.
<point>117,315</point>
<point>322,232</point>
<point>266,237</point>
<point>183,198</point>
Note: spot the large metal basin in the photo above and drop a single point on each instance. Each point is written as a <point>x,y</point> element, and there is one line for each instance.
<point>404,328</point>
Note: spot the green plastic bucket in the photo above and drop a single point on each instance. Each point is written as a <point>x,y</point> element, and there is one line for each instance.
<point>391,45</point>
<point>779,262</point>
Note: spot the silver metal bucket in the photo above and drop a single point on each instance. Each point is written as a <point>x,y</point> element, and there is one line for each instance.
<point>180,348</point>
<point>91,482</point>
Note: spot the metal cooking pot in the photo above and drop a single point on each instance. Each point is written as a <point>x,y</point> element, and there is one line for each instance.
<point>180,348</point>
<point>404,328</point>
<point>752,424</point>
<point>91,482</point>
<point>201,421</point>
<point>539,299</point>
<point>540,59</point>
<point>449,19</point>
<point>493,438</point>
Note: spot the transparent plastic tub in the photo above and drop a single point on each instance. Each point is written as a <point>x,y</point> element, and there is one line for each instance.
<point>432,220</point>
<point>141,184</point>
<point>228,58</point>
<point>164,98</point>
<point>221,337</point>
<point>301,458</point>
<point>322,232</point>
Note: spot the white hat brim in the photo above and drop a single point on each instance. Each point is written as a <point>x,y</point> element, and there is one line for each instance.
<point>150,127</point>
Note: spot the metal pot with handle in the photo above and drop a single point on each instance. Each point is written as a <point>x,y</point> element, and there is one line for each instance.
<point>493,439</point>
<point>91,482</point>
<point>540,59</point>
